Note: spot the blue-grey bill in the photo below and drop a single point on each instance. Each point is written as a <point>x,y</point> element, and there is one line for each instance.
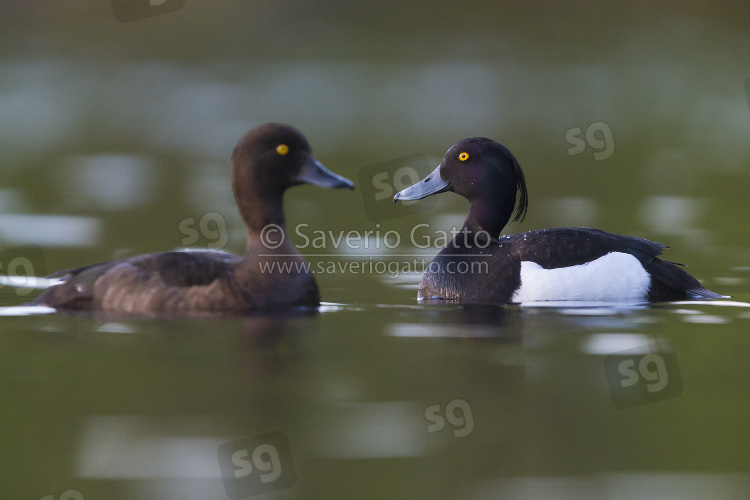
<point>432,184</point>
<point>316,174</point>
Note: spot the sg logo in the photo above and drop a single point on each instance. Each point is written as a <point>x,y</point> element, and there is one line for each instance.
<point>257,465</point>
<point>211,226</point>
<point>457,412</point>
<point>381,182</point>
<point>598,136</point>
<point>637,376</point>
<point>19,268</point>
<point>651,367</point>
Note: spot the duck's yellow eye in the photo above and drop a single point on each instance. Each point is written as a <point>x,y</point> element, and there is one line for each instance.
<point>463,156</point>
<point>282,149</point>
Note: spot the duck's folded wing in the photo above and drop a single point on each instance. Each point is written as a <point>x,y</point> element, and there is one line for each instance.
<point>183,268</point>
<point>174,269</point>
<point>179,269</point>
<point>572,246</point>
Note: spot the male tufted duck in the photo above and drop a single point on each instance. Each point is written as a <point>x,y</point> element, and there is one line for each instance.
<point>267,160</point>
<point>565,264</point>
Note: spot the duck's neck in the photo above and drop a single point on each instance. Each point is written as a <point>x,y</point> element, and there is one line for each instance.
<point>264,224</point>
<point>488,216</point>
<point>259,214</point>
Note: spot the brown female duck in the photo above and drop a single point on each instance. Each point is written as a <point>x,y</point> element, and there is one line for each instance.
<point>267,160</point>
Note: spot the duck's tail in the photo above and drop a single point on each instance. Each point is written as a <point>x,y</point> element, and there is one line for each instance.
<point>670,282</point>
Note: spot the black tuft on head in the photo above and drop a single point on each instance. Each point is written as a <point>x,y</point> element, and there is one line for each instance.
<point>522,195</point>
<point>490,152</point>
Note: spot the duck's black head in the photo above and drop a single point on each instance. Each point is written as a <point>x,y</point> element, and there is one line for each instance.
<point>484,172</point>
<point>268,160</point>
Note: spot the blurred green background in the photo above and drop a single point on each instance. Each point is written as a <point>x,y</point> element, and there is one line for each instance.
<point>115,138</point>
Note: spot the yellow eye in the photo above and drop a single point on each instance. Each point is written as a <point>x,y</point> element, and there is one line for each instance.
<point>282,149</point>
<point>463,156</point>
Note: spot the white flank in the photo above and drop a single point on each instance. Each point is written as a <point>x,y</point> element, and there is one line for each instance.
<point>615,277</point>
